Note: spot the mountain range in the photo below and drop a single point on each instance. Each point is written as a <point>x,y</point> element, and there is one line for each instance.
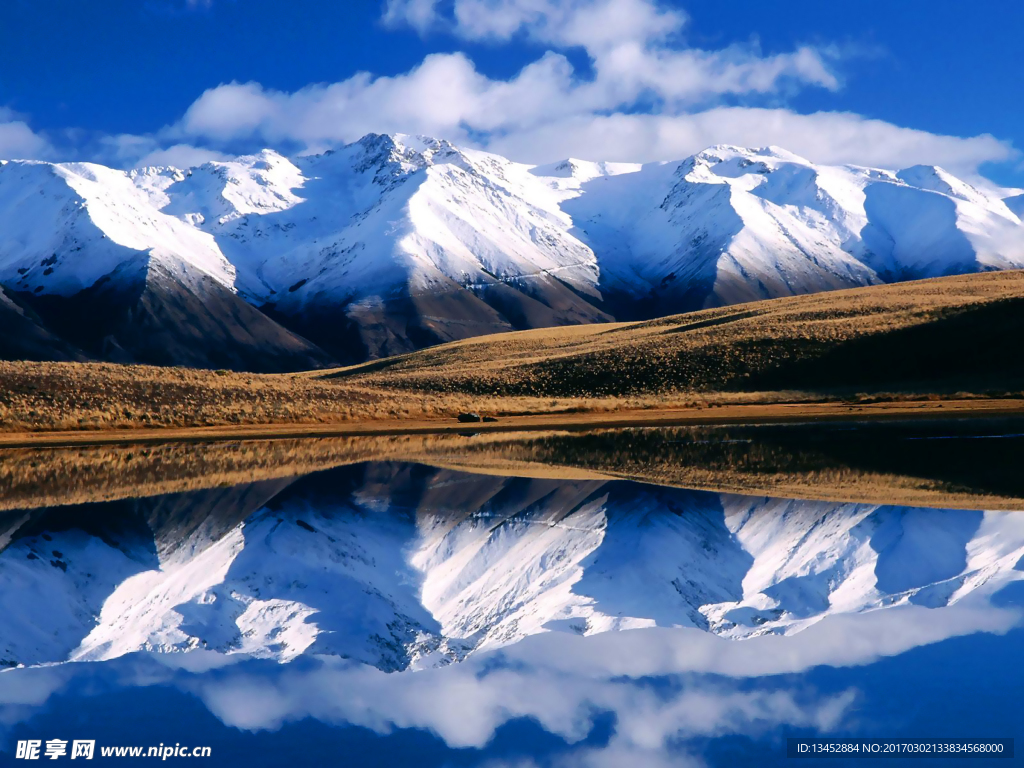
<point>406,566</point>
<point>395,243</point>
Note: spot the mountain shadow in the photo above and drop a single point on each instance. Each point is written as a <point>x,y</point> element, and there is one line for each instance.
<point>145,314</point>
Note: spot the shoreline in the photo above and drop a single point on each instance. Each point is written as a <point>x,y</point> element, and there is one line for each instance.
<point>726,415</point>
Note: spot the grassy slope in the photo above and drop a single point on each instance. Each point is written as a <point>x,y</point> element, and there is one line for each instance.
<point>945,335</point>
<point>931,335</point>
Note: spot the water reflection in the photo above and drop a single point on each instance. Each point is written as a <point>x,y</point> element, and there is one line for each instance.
<point>932,463</point>
<point>434,616</point>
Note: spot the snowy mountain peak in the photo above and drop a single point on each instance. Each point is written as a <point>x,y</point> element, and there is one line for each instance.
<point>67,226</point>
<point>728,153</point>
<point>425,146</point>
<point>407,153</point>
<point>570,167</point>
<point>936,179</point>
<point>723,152</point>
<point>728,161</point>
<point>582,170</point>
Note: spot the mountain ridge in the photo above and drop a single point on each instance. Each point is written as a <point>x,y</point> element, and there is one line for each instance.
<point>394,243</point>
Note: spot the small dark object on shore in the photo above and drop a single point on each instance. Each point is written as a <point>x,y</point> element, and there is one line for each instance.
<point>489,418</point>
<point>466,418</point>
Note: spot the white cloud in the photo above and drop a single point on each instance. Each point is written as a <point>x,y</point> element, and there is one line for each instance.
<point>823,137</point>
<point>562,680</point>
<point>421,15</point>
<point>446,95</point>
<point>592,24</point>
<point>131,151</point>
<point>18,141</point>
<point>179,156</point>
<point>646,96</point>
<point>542,114</point>
<point>716,686</point>
<point>465,706</point>
<point>634,46</point>
<point>633,63</point>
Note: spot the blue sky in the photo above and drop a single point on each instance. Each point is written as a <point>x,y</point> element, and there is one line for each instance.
<point>880,83</point>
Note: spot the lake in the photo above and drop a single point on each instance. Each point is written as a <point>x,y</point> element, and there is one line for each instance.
<point>649,597</point>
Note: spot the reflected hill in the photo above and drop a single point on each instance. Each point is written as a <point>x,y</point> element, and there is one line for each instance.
<point>955,463</point>
<point>947,463</point>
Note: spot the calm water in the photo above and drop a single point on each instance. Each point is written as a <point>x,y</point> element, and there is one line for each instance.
<point>391,613</point>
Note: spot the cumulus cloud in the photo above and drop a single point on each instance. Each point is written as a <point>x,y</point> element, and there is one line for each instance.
<point>712,686</point>
<point>179,156</point>
<point>633,46</point>
<point>18,141</point>
<point>595,25</point>
<point>131,151</point>
<point>465,706</point>
<point>562,681</point>
<point>646,95</point>
<point>823,137</point>
<point>446,95</point>
<point>421,15</point>
<point>542,115</point>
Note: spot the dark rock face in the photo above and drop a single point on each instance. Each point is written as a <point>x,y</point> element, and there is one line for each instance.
<point>155,318</point>
<point>353,332</point>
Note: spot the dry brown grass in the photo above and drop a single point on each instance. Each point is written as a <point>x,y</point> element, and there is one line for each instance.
<point>102,396</point>
<point>793,342</point>
<point>777,461</point>
<point>33,478</point>
<point>876,464</point>
<point>803,349</point>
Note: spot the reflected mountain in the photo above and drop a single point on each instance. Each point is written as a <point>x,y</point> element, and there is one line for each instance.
<point>404,566</point>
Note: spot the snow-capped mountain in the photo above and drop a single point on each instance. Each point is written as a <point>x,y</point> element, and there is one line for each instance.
<point>397,242</point>
<point>403,566</point>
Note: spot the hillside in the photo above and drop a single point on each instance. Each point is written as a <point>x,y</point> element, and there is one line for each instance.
<point>926,336</point>
<point>396,243</point>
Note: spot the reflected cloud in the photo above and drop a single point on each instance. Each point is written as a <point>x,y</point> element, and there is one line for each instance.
<point>662,687</point>
<point>561,680</point>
